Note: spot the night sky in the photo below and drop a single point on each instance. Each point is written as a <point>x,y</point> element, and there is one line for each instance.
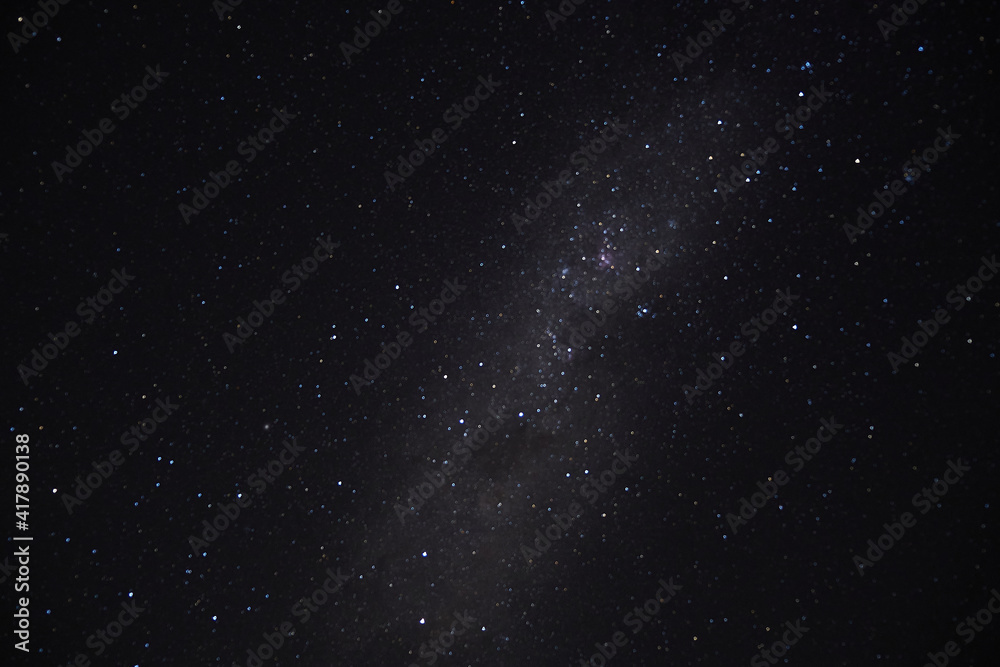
<point>524,333</point>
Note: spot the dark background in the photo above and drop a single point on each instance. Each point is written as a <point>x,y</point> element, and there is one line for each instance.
<point>504,342</point>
